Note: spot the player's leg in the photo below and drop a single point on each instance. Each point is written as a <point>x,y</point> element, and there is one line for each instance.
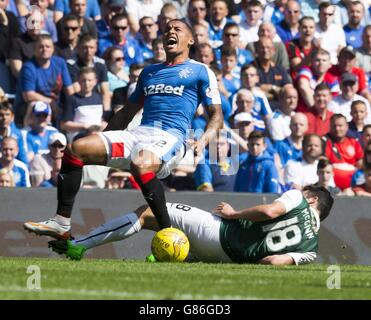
<point>144,167</point>
<point>87,150</point>
<point>202,229</point>
<point>116,229</point>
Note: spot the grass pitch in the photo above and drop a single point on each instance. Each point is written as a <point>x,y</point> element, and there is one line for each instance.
<point>115,279</point>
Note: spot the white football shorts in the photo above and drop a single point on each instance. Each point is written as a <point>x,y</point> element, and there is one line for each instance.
<point>202,229</point>
<point>122,146</point>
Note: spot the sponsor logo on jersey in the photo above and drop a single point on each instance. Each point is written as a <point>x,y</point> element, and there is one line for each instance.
<point>162,88</point>
<point>184,73</point>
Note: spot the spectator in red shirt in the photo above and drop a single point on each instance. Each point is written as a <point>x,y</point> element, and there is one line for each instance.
<point>343,152</point>
<point>309,77</point>
<point>300,50</point>
<point>347,63</point>
<point>319,116</point>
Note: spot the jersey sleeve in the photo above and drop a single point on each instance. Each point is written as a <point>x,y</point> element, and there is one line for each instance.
<point>138,94</point>
<point>291,199</point>
<point>208,88</point>
<point>302,257</point>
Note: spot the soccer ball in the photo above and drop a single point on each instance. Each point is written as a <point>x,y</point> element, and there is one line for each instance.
<point>170,245</point>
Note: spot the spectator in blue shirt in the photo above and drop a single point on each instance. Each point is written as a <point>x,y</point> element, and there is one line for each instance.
<point>120,37</point>
<point>39,130</point>
<point>218,20</point>
<point>354,29</point>
<point>113,7</point>
<point>292,146</point>
<point>62,7</point>
<point>257,173</point>
<point>148,29</point>
<point>288,29</point>
<point>231,79</point>
<point>9,151</point>
<point>8,129</point>
<point>42,78</point>
<point>231,39</point>
<point>78,8</point>
<point>218,174</point>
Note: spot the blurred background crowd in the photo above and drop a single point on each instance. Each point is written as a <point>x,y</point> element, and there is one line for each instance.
<point>294,77</point>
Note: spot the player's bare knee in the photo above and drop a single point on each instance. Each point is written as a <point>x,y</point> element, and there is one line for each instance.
<point>138,168</point>
<point>146,218</point>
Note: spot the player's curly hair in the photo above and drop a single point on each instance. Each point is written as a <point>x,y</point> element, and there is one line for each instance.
<point>325,199</point>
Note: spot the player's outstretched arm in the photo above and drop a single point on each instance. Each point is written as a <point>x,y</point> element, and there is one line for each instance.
<point>258,213</point>
<point>123,117</point>
<point>213,125</point>
<point>278,259</point>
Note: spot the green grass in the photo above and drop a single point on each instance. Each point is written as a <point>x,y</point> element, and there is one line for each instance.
<point>115,279</point>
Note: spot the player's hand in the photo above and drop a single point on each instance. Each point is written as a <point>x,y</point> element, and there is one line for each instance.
<point>225,210</point>
<point>197,146</point>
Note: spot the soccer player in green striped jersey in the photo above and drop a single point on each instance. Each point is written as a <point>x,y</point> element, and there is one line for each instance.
<point>282,232</point>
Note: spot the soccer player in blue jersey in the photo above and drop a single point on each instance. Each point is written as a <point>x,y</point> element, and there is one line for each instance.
<point>169,93</point>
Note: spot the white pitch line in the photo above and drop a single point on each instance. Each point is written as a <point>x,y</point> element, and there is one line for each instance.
<point>121,294</point>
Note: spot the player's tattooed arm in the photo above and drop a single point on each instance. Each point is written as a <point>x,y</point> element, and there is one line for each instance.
<point>215,123</point>
<point>123,117</point>
<point>261,212</point>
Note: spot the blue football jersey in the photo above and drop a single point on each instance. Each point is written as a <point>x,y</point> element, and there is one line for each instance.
<point>172,94</point>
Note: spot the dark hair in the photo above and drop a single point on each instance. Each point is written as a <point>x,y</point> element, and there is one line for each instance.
<point>118,17</point>
<point>107,54</point>
<point>70,17</point>
<point>189,28</point>
<point>86,38</point>
<point>228,52</point>
<point>309,136</point>
<point>216,70</point>
<point>136,66</point>
<point>356,103</point>
<point>157,41</point>
<point>324,5</point>
<point>256,134</point>
<point>337,116</point>
<point>86,70</point>
<point>251,3</point>
<point>323,163</point>
<point>230,25</point>
<point>320,52</point>
<point>42,37</point>
<point>305,18</point>
<point>6,105</point>
<point>325,200</point>
<point>367,126</point>
<point>322,86</point>
<point>248,66</point>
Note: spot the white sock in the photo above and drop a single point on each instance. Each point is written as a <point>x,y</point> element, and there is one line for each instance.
<point>114,230</point>
<point>62,220</point>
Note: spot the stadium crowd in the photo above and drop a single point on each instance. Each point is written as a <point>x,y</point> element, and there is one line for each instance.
<point>294,78</point>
